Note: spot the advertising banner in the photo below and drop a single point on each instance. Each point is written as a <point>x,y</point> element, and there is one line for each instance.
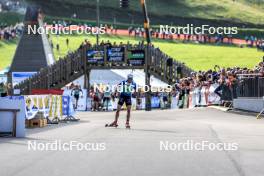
<point>95,56</point>
<point>213,98</point>
<point>66,105</point>
<point>174,102</point>
<point>55,105</point>
<point>51,105</point>
<point>3,78</point>
<point>116,54</point>
<point>18,77</point>
<point>115,103</point>
<point>82,102</point>
<point>89,104</point>
<point>143,103</point>
<point>204,96</point>
<point>155,102</point>
<point>37,103</point>
<point>134,103</point>
<point>136,57</point>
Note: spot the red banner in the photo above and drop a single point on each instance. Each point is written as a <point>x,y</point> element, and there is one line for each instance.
<point>47,92</point>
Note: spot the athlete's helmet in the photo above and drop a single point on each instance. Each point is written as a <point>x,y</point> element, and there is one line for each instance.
<point>130,76</point>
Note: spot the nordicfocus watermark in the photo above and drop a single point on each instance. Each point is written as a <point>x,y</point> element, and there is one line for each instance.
<point>130,88</point>
<point>190,29</point>
<point>57,30</point>
<point>190,145</point>
<point>58,145</point>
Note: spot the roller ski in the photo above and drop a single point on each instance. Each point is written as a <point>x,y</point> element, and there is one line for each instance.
<point>127,126</point>
<point>114,125</point>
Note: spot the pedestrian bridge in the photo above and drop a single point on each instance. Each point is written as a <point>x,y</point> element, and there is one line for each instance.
<point>87,58</point>
<point>34,54</point>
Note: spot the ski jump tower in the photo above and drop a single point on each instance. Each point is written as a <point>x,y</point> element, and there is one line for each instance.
<point>33,51</point>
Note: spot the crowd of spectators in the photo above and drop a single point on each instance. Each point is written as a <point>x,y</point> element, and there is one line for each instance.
<point>251,41</point>
<point>7,5</point>
<point>5,89</point>
<point>254,41</point>
<point>10,32</point>
<point>227,83</point>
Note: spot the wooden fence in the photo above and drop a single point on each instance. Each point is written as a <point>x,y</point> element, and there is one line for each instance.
<point>76,64</point>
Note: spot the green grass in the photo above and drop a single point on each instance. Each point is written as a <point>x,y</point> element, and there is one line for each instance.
<point>7,50</point>
<point>196,56</point>
<point>242,32</point>
<point>204,57</point>
<point>238,11</point>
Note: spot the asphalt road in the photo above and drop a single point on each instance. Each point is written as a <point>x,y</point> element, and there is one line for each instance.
<point>122,152</point>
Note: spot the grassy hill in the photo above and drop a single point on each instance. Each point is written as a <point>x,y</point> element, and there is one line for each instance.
<point>196,56</point>
<point>10,18</point>
<point>249,12</point>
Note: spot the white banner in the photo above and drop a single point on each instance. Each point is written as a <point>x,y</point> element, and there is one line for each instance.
<point>82,102</point>
<point>18,77</point>
<point>37,103</point>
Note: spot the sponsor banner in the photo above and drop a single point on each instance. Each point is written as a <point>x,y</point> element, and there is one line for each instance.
<point>108,105</point>
<point>204,96</point>
<point>3,78</point>
<point>174,102</point>
<point>18,77</point>
<point>115,103</point>
<point>52,106</point>
<point>116,54</point>
<point>82,101</point>
<point>155,102</point>
<point>213,98</point>
<point>55,105</point>
<point>134,103</point>
<point>66,105</point>
<point>136,57</point>
<point>89,104</point>
<point>143,103</point>
<point>47,92</point>
<point>95,56</point>
<point>37,103</point>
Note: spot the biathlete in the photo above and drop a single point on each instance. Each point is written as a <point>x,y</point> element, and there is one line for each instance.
<point>76,93</point>
<point>127,88</point>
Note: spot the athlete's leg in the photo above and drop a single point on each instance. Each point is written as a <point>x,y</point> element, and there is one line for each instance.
<point>77,100</point>
<point>119,106</point>
<point>117,113</point>
<point>128,114</point>
<point>75,105</point>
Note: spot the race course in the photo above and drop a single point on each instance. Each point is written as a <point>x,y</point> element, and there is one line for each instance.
<point>137,151</point>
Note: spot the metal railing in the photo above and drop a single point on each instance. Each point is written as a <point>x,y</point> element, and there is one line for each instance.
<point>251,86</point>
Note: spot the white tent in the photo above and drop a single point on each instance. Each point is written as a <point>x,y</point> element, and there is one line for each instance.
<point>113,77</point>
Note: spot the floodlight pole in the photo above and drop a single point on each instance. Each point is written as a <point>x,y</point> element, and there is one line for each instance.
<point>147,55</point>
<point>146,21</point>
<point>97,21</point>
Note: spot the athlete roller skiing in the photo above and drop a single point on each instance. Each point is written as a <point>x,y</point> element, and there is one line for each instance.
<point>126,87</point>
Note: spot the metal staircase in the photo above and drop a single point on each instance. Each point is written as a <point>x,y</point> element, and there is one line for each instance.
<point>33,52</point>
